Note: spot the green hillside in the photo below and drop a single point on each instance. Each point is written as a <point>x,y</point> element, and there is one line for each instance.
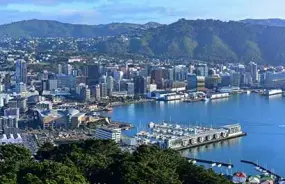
<point>100,161</point>
<point>208,40</point>
<point>212,40</point>
<point>47,28</point>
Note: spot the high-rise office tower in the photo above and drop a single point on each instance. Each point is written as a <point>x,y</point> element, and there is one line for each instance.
<point>110,85</point>
<point>131,88</point>
<point>7,81</point>
<point>93,74</point>
<point>253,71</point>
<point>118,75</point>
<point>97,92</point>
<point>157,77</point>
<point>171,74</point>
<point>103,90</point>
<point>59,69</point>
<point>140,85</point>
<point>21,71</point>
<point>191,82</point>
<point>180,72</point>
<point>235,79</point>
<point>85,93</point>
<point>202,70</point>
<point>67,69</point>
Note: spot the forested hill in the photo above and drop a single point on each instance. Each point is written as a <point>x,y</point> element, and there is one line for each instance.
<point>266,22</point>
<point>48,28</point>
<point>210,40</point>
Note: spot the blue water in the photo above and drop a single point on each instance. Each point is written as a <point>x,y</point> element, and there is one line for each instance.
<point>263,118</point>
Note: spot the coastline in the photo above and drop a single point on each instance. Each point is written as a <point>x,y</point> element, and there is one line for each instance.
<point>117,104</point>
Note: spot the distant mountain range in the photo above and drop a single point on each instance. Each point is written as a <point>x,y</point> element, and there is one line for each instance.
<point>266,22</point>
<point>208,40</point>
<point>47,28</point>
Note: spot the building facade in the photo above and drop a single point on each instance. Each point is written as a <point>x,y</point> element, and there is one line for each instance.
<point>21,71</point>
<point>140,85</point>
<point>108,134</point>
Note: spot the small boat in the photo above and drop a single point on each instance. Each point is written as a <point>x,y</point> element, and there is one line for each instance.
<point>258,169</point>
<point>248,92</point>
<point>206,99</point>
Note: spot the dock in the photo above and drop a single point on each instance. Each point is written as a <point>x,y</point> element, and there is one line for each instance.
<point>177,137</point>
<point>262,168</point>
<point>213,163</point>
<point>210,142</point>
<point>193,100</point>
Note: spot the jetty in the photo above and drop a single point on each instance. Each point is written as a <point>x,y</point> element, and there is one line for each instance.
<point>213,163</point>
<point>261,168</point>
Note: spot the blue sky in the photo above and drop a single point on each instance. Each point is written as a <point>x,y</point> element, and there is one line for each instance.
<point>138,11</point>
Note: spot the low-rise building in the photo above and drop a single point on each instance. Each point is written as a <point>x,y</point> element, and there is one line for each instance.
<point>108,134</point>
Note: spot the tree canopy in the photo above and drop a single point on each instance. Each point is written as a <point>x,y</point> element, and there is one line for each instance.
<point>100,161</point>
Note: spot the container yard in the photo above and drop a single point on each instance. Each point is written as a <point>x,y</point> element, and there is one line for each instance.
<point>179,137</point>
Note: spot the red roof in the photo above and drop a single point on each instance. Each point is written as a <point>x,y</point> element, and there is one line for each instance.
<point>240,174</point>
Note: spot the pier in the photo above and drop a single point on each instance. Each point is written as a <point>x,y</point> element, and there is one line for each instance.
<point>177,137</point>
<point>188,100</point>
<point>261,168</point>
<point>213,163</point>
<point>210,142</point>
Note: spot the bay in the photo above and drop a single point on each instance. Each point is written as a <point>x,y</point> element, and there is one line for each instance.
<point>262,118</point>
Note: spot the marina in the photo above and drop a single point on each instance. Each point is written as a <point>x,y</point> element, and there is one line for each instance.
<point>261,169</point>
<point>261,118</point>
<point>178,137</point>
<point>211,162</point>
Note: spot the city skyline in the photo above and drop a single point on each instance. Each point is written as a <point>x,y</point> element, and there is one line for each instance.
<point>107,11</point>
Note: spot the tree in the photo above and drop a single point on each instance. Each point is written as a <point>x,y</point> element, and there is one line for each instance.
<point>50,172</point>
<point>14,153</point>
<point>45,150</point>
<point>100,161</point>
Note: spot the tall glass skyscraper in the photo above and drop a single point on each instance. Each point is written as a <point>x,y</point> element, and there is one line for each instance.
<point>93,74</point>
<point>202,70</point>
<point>140,85</point>
<point>21,71</point>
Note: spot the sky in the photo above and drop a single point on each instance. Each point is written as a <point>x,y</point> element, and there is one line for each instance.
<point>137,11</point>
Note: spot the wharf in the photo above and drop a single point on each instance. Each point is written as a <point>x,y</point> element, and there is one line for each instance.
<point>179,138</point>
<point>262,168</point>
<point>122,125</point>
<point>211,141</point>
<point>219,164</point>
<point>193,100</point>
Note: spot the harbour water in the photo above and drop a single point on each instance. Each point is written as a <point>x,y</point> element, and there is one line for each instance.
<point>262,118</point>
